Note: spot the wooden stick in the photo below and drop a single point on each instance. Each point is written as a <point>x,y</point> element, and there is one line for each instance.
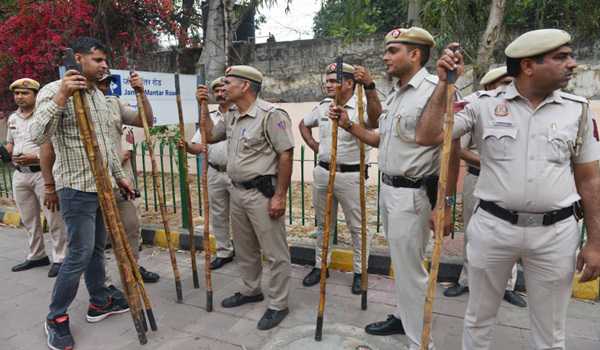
<point>329,205</point>
<point>440,217</point>
<point>110,213</point>
<point>161,200</point>
<point>364,278</point>
<point>185,176</point>
<point>203,113</point>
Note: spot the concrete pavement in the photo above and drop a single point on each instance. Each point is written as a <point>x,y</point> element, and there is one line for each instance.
<point>24,298</point>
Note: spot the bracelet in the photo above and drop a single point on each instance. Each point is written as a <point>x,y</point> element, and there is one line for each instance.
<point>350,125</point>
<point>450,201</point>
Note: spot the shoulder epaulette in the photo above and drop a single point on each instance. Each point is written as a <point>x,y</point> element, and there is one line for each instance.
<point>326,100</point>
<point>432,78</point>
<point>572,97</point>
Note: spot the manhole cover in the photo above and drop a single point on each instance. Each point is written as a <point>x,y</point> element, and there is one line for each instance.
<point>335,337</point>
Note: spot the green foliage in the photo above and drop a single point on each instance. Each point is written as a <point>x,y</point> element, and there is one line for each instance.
<point>165,133</point>
<point>356,18</point>
<point>463,20</point>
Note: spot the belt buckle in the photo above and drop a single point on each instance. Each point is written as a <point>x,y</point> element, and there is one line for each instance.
<point>530,219</point>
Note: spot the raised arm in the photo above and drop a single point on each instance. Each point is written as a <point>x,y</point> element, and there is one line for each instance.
<point>430,128</point>
<point>370,137</point>
<point>362,76</point>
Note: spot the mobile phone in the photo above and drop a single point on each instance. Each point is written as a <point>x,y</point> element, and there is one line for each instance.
<point>69,60</point>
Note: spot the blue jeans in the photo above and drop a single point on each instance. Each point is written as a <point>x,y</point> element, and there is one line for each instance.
<point>85,254</point>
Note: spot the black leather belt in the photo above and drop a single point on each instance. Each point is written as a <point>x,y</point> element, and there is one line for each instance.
<point>527,219</point>
<point>473,170</point>
<point>343,168</point>
<point>28,169</point>
<point>254,183</point>
<point>401,181</point>
<point>219,168</point>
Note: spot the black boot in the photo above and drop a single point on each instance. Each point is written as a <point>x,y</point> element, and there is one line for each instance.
<point>313,277</point>
<point>456,290</point>
<point>514,298</point>
<point>272,318</point>
<point>356,284</point>
<point>390,326</point>
<point>220,262</point>
<point>30,264</point>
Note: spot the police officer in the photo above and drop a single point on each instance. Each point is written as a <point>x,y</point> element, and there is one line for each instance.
<point>259,163</point>
<point>405,166</point>
<point>493,79</point>
<point>28,183</point>
<point>218,181</point>
<point>123,114</point>
<point>348,169</point>
<point>539,155</point>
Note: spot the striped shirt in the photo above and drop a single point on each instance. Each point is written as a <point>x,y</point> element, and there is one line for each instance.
<point>59,125</point>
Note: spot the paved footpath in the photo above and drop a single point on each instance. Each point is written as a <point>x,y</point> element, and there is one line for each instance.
<point>24,298</point>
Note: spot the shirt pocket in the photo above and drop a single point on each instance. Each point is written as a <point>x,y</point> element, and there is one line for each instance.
<point>254,142</point>
<point>558,148</point>
<point>500,143</point>
<point>406,124</point>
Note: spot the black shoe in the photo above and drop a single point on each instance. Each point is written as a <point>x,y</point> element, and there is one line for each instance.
<point>388,327</point>
<point>313,277</point>
<point>59,334</point>
<point>30,264</point>
<point>220,262</point>
<point>98,313</point>
<point>514,298</point>
<point>356,284</point>
<point>239,299</point>
<point>54,270</point>
<point>272,318</point>
<point>456,290</point>
<point>149,277</point>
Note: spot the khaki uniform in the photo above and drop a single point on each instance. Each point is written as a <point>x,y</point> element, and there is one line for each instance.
<point>346,183</point>
<point>469,202</point>
<point>28,189</point>
<point>406,211</point>
<point>525,167</point>
<point>219,187</point>
<point>130,213</point>
<point>254,141</point>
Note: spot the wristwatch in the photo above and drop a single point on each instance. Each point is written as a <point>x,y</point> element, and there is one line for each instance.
<point>370,86</point>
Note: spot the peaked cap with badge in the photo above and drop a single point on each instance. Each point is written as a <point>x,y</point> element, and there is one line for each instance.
<point>25,83</point>
<point>412,35</point>
<point>245,72</point>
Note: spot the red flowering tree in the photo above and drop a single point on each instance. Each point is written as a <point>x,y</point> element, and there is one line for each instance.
<point>33,38</point>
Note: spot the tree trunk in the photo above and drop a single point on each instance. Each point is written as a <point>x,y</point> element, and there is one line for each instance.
<point>494,28</point>
<point>213,49</point>
<point>414,12</point>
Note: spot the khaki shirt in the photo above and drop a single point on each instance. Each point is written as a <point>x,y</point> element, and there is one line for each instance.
<point>121,114</point>
<point>217,152</point>
<point>347,145</point>
<point>250,154</point>
<point>525,154</point>
<point>18,134</point>
<point>466,141</point>
<point>399,154</point>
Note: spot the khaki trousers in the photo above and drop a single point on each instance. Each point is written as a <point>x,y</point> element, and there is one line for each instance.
<point>131,218</point>
<point>548,256</point>
<point>254,232</point>
<point>345,192</point>
<point>406,213</point>
<point>28,189</point>
<point>218,196</point>
<point>469,203</point>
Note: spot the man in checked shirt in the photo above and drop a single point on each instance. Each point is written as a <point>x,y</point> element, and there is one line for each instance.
<point>54,119</point>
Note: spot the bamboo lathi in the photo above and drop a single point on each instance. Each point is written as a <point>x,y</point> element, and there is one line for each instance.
<point>329,206</point>
<point>440,217</point>
<point>161,200</point>
<point>364,277</point>
<point>203,113</point>
<point>187,201</point>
